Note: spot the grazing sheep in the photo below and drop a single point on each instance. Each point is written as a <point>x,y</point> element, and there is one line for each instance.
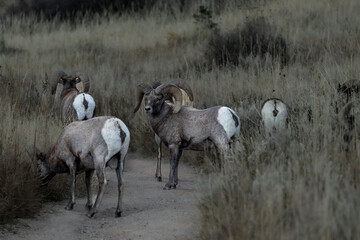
<point>187,100</point>
<point>186,128</point>
<point>274,115</point>
<point>87,146</point>
<point>76,104</point>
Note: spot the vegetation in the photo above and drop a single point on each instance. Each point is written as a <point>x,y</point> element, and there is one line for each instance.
<point>302,185</point>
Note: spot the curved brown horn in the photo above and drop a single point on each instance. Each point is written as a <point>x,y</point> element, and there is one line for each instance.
<point>55,80</point>
<point>84,84</point>
<point>142,89</point>
<point>174,91</point>
<point>184,86</point>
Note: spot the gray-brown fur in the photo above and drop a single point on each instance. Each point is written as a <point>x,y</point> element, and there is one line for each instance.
<point>81,147</point>
<point>183,128</point>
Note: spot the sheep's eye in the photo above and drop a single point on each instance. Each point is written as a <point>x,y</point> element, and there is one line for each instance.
<point>160,97</point>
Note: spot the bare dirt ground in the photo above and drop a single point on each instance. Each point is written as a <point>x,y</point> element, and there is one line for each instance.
<point>148,211</point>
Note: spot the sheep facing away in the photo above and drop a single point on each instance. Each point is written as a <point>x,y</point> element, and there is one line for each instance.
<point>187,100</point>
<point>87,146</point>
<point>186,128</point>
<point>274,115</point>
<point>75,105</point>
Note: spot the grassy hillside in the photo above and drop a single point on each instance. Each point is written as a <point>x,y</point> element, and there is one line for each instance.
<point>301,185</point>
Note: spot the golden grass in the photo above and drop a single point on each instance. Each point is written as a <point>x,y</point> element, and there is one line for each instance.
<point>300,186</point>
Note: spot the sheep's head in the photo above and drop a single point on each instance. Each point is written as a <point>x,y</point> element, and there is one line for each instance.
<point>156,97</point>
<point>78,80</point>
<point>43,168</point>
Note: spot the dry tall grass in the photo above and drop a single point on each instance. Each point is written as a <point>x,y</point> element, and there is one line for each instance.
<point>299,186</point>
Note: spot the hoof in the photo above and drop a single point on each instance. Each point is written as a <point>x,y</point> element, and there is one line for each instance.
<point>88,207</point>
<point>117,214</point>
<point>158,177</point>
<point>169,186</point>
<point>69,207</point>
<point>90,214</point>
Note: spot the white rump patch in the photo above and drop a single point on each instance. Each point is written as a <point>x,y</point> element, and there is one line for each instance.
<point>272,122</point>
<point>82,111</point>
<point>111,134</point>
<point>225,118</point>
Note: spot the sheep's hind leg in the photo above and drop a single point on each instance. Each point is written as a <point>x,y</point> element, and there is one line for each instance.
<point>120,190</point>
<point>71,203</point>
<point>223,149</point>
<point>88,177</point>
<point>100,172</point>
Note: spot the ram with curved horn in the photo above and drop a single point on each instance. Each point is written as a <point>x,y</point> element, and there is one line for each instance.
<point>187,100</point>
<point>186,128</point>
<point>75,103</point>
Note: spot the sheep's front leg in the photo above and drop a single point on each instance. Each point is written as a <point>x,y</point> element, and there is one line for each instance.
<point>158,174</point>
<point>88,177</point>
<point>175,153</point>
<point>176,179</point>
<point>100,172</point>
<point>71,203</point>
<point>120,191</point>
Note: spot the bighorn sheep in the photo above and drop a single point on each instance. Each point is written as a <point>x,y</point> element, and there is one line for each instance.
<point>87,146</point>
<point>76,103</point>
<point>187,100</point>
<point>274,115</point>
<point>182,128</point>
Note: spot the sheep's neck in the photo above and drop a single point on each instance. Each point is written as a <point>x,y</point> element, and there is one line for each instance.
<point>157,121</point>
<point>68,92</point>
<point>56,165</point>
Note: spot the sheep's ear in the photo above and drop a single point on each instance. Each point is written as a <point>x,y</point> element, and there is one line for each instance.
<point>83,85</point>
<point>61,80</point>
<point>77,80</point>
<point>142,89</point>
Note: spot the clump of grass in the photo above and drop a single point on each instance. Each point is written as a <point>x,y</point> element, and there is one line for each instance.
<point>256,39</point>
<point>283,190</point>
<point>19,192</point>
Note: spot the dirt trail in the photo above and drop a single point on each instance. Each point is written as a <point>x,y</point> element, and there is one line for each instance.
<point>148,211</point>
